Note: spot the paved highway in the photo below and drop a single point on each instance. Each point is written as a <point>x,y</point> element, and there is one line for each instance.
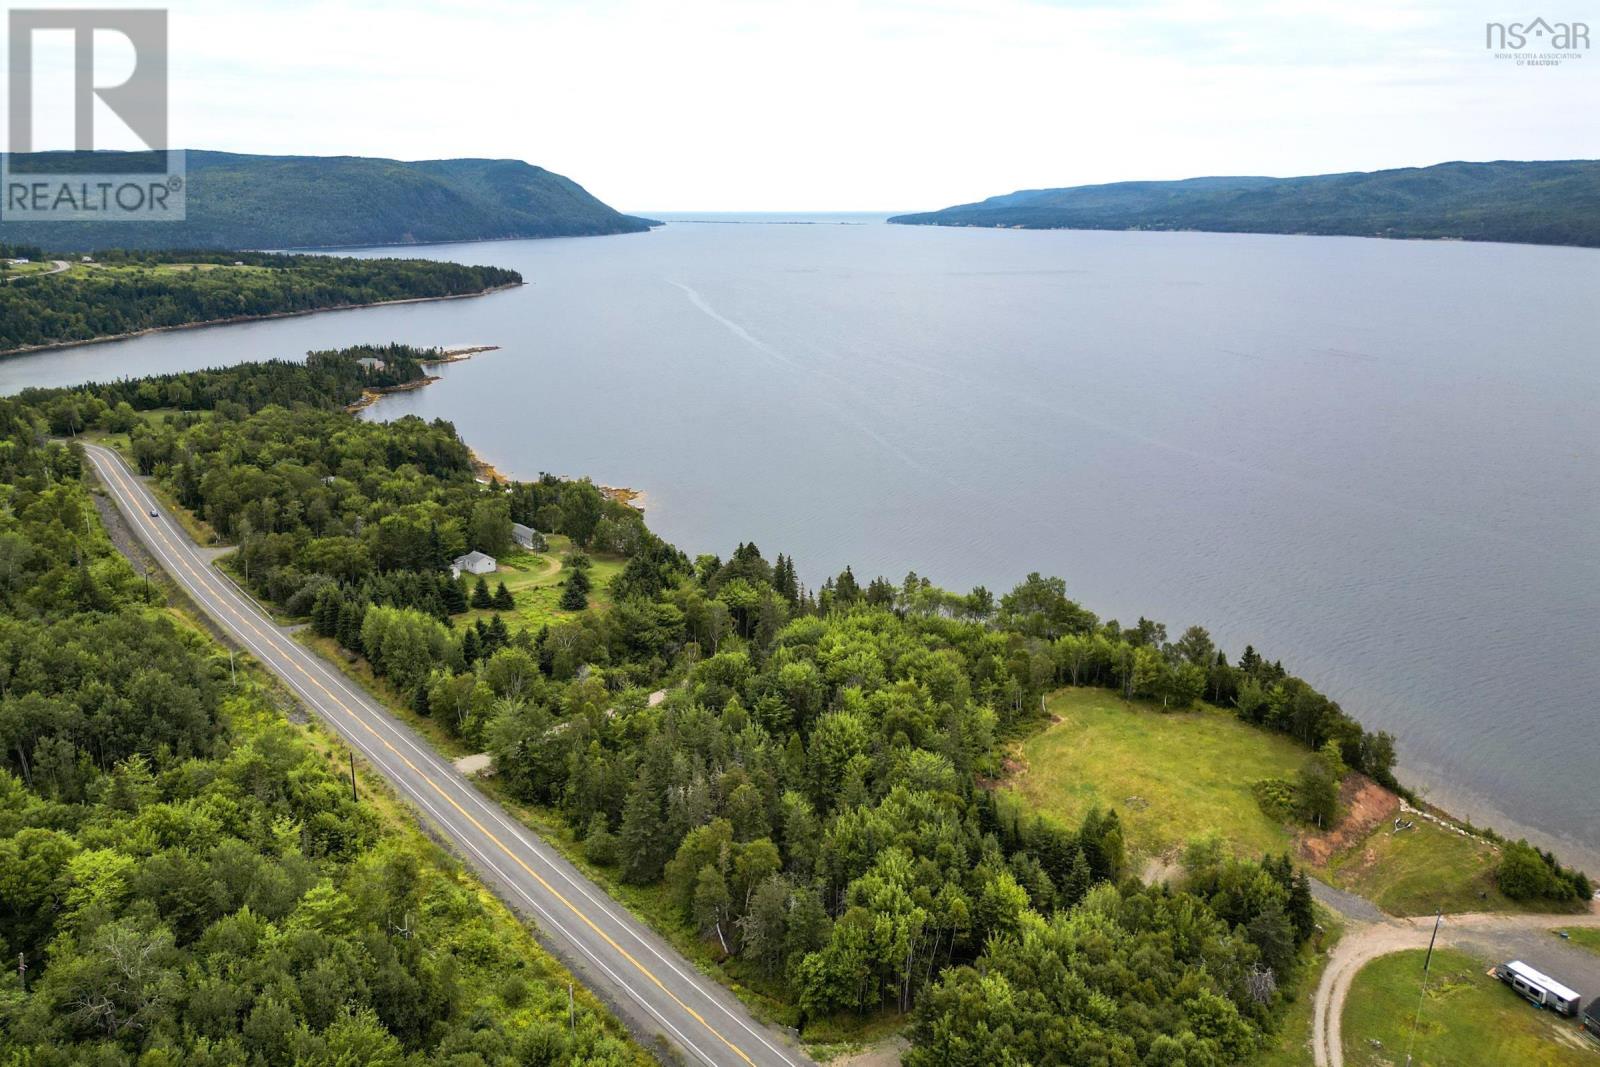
<point>638,973</point>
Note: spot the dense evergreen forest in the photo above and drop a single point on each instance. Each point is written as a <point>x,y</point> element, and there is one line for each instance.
<point>252,201</point>
<point>124,292</point>
<point>185,877</point>
<point>1541,202</point>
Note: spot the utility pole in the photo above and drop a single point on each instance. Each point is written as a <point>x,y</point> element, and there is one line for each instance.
<point>1427,961</point>
<point>353,794</point>
<point>572,1012</point>
<point>22,971</point>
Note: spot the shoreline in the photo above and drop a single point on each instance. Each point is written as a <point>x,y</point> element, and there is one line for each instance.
<point>488,473</point>
<point>485,471</point>
<point>444,355</point>
<point>238,319</point>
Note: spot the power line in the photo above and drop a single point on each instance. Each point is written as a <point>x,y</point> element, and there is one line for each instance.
<point>1427,962</point>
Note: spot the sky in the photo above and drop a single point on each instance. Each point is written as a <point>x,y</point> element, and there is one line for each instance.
<point>828,105</point>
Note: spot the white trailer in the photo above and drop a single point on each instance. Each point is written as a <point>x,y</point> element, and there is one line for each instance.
<point>1539,988</point>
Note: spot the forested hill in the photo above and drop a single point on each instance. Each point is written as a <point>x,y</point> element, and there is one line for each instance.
<point>1553,202</point>
<point>249,201</point>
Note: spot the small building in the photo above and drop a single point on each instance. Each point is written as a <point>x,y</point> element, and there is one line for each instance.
<point>372,364</point>
<point>473,562</point>
<point>1539,988</point>
<point>1591,1017</point>
<point>528,537</point>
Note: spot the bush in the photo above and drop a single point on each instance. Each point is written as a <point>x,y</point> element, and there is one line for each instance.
<point>600,844</point>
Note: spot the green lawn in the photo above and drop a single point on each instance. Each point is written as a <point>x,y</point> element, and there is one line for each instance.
<point>1468,1019</point>
<point>1171,776</point>
<point>1417,871</point>
<point>535,578</point>
<point>1584,937</point>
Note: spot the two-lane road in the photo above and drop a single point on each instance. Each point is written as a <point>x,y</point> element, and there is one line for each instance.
<point>615,955</point>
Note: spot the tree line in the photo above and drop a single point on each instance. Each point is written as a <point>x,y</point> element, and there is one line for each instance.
<point>125,292</point>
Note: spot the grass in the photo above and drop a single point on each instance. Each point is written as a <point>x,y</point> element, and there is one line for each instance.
<point>1171,776</point>
<point>1418,870</point>
<point>1467,1018</point>
<point>1290,1046</point>
<point>1584,937</point>
<point>535,579</point>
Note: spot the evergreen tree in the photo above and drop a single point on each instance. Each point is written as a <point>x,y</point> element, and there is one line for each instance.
<point>503,600</point>
<point>471,647</point>
<point>496,636</point>
<point>480,594</point>
<point>575,594</point>
<point>641,836</point>
<point>454,597</point>
<point>845,590</point>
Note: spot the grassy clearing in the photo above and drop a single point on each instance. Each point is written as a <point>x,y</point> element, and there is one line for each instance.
<point>535,579</point>
<point>1468,1018</point>
<point>1418,870</point>
<point>1171,776</point>
<point>1291,1045</point>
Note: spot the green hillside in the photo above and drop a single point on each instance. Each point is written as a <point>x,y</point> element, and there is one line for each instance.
<point>1554,202</point>
<point>245,201</point>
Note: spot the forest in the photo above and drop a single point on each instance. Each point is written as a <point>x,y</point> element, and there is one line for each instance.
<point>236,200</point>
<point>185,875</point>
<point>813,796</point>
<point>125,292</point>
<point>1533,202</point>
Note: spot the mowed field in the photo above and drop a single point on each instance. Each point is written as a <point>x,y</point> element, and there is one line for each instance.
<point>535,579</point>
<point>1171,776</point>
<point>1468,1019</point>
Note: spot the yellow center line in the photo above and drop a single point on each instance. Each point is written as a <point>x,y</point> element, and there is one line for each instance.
<point>245,621</point>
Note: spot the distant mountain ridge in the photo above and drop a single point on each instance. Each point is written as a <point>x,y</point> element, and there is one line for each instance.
<point>250,201</point>
<point>1541,202</point>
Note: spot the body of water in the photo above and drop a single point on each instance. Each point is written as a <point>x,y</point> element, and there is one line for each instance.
<point>1374,460</point>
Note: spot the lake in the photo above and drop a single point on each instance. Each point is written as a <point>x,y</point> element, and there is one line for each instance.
<point>1374,460</point>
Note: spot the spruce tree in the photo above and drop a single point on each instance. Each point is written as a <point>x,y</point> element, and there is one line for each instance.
<point>471,647</point>
<point>641,835</point>
<point>480,594</point>
<point>497,635</point>
<point>502,598</point>
<point>455,598</point>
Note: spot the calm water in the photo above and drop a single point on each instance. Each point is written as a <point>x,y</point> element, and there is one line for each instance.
<point>1375,460</point>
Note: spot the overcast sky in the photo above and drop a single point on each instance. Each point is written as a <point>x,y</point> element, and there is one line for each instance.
<point>871,105</point>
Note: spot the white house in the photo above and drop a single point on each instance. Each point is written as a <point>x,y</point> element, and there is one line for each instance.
<point>473,562</point>
<point>527,537</point>
<point>372,364</point>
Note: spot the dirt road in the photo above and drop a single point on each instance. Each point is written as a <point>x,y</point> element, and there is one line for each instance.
<point>1487,934</point>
